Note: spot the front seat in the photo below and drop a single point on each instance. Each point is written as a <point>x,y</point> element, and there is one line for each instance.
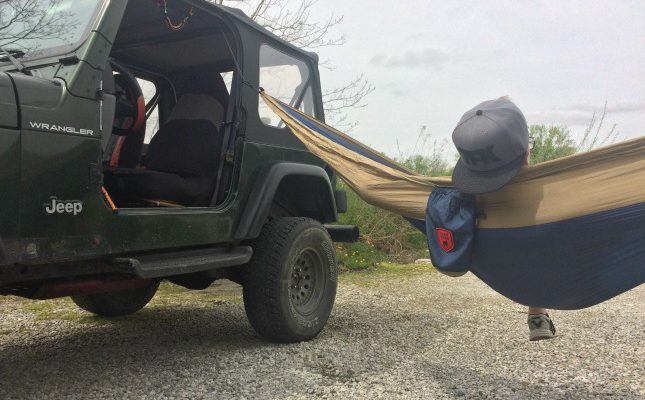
<point>182,158</point>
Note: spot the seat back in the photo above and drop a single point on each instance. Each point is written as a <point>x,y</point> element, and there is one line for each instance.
<point>189,143</point>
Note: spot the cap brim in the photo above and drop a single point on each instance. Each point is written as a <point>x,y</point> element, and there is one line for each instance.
<point>473,182</point>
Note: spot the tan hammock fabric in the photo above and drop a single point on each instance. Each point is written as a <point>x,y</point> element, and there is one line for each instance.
<point>583,184</point>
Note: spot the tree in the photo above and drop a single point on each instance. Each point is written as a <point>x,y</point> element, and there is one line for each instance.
<point>551,142</point>
<point>295,24</point>
<point>28,21</point>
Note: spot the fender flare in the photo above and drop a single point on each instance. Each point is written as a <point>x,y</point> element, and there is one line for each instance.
<point>266,185</point>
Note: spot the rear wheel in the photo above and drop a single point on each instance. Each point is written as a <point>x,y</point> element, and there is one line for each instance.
<point>290,283</point>
<point>117,303</point>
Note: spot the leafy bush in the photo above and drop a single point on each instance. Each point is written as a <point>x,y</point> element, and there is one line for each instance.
<point>551,142</point>
<point>428,165</point>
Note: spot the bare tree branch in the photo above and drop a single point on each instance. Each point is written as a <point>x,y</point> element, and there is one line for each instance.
<point>28,21</point>
<point>594,136</point>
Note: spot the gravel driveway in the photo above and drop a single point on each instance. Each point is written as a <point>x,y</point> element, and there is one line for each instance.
<point>391,335</point>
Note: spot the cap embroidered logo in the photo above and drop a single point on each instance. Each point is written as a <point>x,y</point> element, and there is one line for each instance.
<point>484,156</point>
<point>445,239</point>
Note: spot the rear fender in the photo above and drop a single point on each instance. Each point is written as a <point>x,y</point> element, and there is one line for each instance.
<point>300,190</point>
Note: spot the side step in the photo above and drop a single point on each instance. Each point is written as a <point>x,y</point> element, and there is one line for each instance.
<point>186,262</point>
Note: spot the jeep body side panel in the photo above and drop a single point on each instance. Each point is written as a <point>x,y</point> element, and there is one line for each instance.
<point>9,172</point>
<point>59,145</point>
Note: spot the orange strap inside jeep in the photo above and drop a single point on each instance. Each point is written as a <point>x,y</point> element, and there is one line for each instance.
<point>108,199</point>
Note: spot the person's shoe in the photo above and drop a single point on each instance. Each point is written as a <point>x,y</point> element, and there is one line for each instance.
<point>540,327</point>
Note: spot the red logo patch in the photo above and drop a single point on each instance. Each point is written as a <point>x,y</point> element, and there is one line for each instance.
<point>445,239</point>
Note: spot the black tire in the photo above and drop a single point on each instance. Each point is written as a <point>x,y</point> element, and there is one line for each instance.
<point>117,303</point>
<point>290,283</point>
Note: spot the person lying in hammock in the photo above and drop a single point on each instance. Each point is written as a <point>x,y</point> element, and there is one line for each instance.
<point>494,145</point>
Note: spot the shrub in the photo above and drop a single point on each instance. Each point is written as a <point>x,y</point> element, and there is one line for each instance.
<point>551,142</point>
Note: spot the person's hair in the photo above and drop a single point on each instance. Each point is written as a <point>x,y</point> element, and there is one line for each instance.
<point>505,97</point>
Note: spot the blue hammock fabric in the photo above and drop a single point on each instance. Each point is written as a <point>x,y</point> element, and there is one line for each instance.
<point>564,265</point>
<point>537,244</point>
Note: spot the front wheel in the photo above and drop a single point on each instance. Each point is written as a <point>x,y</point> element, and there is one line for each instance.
<point>290,283</point>
<point>117,303</point>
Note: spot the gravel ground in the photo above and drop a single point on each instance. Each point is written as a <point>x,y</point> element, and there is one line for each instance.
<point>391,335</point>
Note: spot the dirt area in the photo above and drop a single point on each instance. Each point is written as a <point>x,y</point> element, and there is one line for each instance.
<point>399,332</point>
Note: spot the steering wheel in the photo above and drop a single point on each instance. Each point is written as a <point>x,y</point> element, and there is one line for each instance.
<point>130,113</point>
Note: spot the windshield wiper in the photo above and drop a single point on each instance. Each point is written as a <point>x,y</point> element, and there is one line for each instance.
<point>10,56</point>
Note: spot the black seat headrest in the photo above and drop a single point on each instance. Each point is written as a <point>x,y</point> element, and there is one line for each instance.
<point>202,80</point>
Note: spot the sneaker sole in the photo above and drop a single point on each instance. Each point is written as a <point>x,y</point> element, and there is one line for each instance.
<point>540,335</point>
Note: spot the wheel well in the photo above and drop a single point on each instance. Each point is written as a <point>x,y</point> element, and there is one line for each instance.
<point>287,189</point>
<point>304,196</point>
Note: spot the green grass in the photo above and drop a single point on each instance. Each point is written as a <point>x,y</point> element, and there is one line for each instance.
<point>173,295</point>
<point>57,309</point>
<point>384,272</point>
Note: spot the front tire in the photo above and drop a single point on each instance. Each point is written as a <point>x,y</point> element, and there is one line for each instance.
<point>117,303</point>
<point>290,283</point>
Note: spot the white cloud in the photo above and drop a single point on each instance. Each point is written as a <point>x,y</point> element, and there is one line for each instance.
<point>559,117</point>
<point>581,114</point>
<point>616,108</point>
<point>396,89</point>
<point>412,59</point>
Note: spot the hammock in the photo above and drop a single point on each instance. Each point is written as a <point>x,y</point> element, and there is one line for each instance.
<point>565,234</point>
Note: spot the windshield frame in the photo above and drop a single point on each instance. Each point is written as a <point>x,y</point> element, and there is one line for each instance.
<point>62,49</point>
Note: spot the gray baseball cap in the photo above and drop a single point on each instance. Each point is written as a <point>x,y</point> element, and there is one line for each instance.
<point>492,139</point>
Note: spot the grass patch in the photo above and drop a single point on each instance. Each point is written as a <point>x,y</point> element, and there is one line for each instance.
<point>57,309</point>
<point>384,272</point>
<point>173,295</point>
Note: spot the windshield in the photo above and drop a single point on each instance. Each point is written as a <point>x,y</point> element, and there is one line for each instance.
<point>34,27</point>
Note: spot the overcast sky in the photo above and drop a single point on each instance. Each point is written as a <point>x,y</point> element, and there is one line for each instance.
<point>430,61</point>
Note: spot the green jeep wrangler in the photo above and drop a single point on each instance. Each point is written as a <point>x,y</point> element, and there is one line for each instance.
<point>134,148</point>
